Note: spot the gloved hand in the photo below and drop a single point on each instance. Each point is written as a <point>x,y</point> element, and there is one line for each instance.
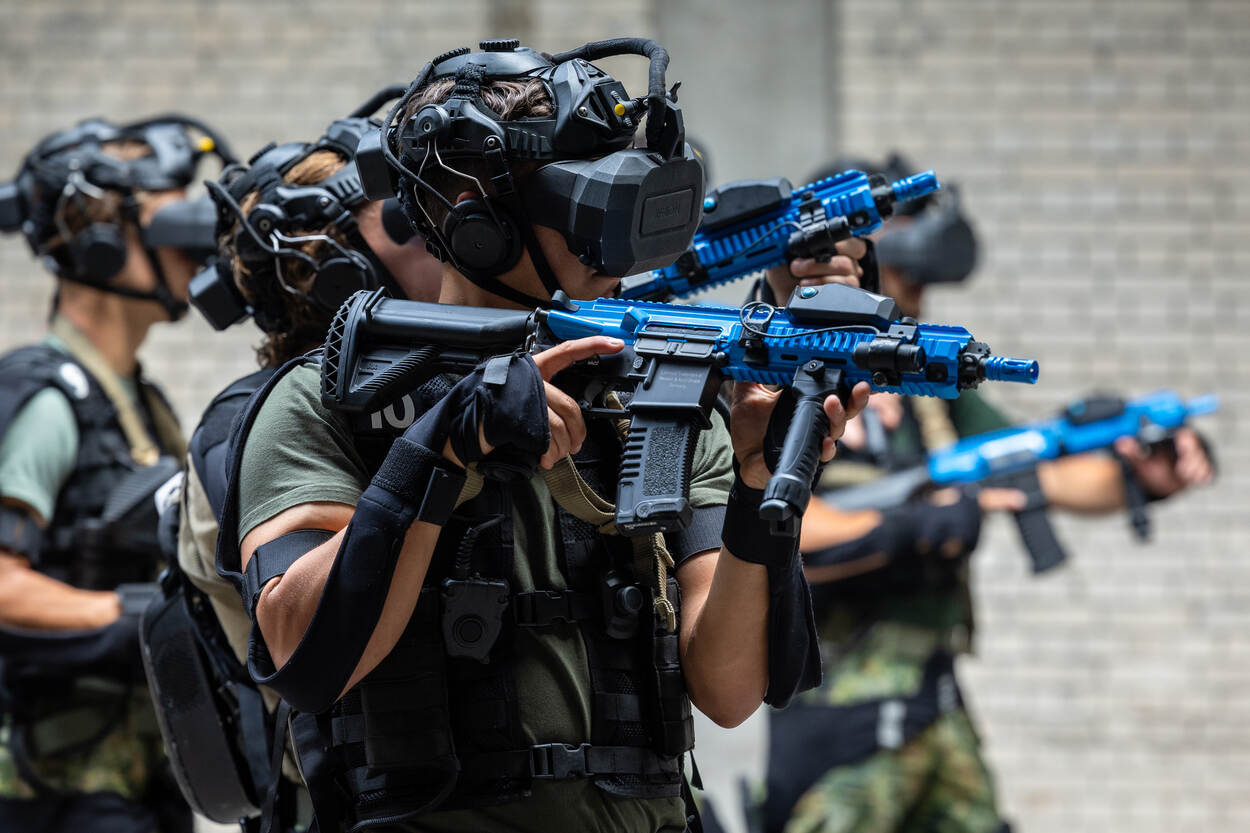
<point>500,410</point>
<point>508,415</point>
<point>111,651</point>
<point>947,528</point>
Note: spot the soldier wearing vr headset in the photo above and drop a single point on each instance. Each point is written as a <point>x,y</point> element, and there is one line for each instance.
<point>464,649</point>
<point>296,237</point>
<point>85,441</point>
<point>885,744</point>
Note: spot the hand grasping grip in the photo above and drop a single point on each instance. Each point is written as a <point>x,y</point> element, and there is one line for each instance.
<point>790,488</point>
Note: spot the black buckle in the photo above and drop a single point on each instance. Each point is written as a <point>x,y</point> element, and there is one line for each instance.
<point>559,761</point>
<point>540,608</point>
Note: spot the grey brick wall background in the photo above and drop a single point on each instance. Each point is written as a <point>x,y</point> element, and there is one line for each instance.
<point>1102,151</point>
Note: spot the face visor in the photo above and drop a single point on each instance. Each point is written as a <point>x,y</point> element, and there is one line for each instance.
<point>624,213</point>
<point>188,225</point>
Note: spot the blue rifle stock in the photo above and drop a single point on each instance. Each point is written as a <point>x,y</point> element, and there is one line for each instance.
<point>1009,458</point>
<point>752,225</point>
<point>673,364</point>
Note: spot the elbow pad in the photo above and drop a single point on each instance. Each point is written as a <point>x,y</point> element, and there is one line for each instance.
<point>413,483</point>
<point>20,534</point>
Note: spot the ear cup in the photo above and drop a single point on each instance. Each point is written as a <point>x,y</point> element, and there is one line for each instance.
<point>478,242</point>
<point>98,252</point>
<point>339,277</point>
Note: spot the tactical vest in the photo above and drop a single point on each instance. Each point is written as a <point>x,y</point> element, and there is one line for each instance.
<point>77,548</point>
<point>436,724</point>
<point>65,693</point>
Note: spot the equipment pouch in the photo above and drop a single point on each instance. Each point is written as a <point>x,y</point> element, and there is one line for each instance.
<point>197,720</point>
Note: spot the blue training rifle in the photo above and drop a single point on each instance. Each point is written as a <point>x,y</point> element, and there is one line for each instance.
<point>673,364</point>
<point>1009,458</point>
<point>753,225</point>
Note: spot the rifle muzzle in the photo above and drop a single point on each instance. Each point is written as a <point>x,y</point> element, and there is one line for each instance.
<point>1007,369</point>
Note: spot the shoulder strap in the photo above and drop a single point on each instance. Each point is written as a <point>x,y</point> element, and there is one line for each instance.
<point>228,556</point>
<point>24,373</point>
<point>208,441</point>
<point>936,428</point>
<point>164,420</point>
<point>143,448</point>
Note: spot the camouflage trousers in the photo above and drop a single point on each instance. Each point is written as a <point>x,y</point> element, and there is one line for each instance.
<point>123,762</point>
<point>936,783</point>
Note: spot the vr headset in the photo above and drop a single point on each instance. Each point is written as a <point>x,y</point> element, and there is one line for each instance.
<point>73,164</point>
<point>271,230</point>
<point>621,210</point>
<point>74,160</point>
<point>937,246</point>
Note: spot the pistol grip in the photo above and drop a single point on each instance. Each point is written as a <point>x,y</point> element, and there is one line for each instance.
<point>654,491</point>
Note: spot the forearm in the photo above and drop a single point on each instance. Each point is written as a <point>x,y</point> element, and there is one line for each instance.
<point>825,525</point>
<point>1086,483</point>
<point>725,638</point>
<point>29,599</point>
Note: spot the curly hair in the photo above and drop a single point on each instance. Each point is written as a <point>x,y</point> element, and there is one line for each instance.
<point>291,321</point>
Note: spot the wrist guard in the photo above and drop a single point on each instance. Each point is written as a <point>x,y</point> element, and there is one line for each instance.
<point>423,480</point>
<point>747,536</point>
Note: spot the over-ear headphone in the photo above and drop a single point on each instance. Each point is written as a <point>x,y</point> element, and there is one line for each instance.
<point>97,253</point>
<point>483,238</point>
<point>284,209</point>
<point>339,277</point>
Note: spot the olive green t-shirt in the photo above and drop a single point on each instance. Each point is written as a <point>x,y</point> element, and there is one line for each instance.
<point>298,451</point>
<point>877,648</point>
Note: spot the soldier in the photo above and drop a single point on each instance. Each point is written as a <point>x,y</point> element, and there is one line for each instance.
<point>84,441</point>
<point>885,744</point>
<point>334,241</point>
<point>470,652</point>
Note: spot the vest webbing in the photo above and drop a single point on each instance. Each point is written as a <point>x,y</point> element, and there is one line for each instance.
<point>143,448</point>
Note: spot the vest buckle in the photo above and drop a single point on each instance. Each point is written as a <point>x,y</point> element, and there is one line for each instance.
<point>552,761</point>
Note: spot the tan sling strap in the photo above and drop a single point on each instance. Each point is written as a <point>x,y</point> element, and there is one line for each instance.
<point>576,497</point>
<point>143,449</point>
<point>933,415</point>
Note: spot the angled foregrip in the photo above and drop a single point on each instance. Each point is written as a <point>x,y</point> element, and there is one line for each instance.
<point>790,487</point>
<point>1135,499</point>
<point>654,491</point>
<point>1038,536</point>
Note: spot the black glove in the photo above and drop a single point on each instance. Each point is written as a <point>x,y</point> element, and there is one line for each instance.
<point>506,397</point>
<point>934,529</point>
<point>917,530</point>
